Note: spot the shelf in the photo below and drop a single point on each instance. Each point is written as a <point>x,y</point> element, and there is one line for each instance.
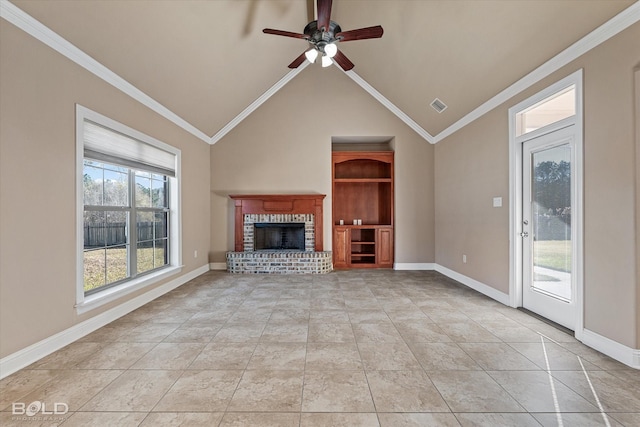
<point>348,180</point>
<point>349,166</point>
<point>363,226</point>
<point>362,243</point>
<point>363,261</point>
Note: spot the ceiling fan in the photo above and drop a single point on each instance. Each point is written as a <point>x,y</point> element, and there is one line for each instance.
<point>323,35</point>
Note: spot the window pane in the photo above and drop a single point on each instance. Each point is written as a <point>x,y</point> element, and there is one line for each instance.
<point>94,269</point>
<point>116,188</point>
<point>553,109</point>
<point>92,183</point>
<point>160,225</point>
<point>158,193</point>
<point>160,257</point>
<point>116,228</point>
<point>116,263</point>
<point>94,229</point>
<point>143,189</point>
<point>144,223</point>
<point>145,256</point>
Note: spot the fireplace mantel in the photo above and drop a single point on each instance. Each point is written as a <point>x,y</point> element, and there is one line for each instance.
<point>278,204</point>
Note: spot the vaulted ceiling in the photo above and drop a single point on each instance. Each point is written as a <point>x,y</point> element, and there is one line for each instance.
<point>207,61</point>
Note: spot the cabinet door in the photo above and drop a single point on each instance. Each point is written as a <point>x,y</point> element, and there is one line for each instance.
<point>341,247</point>
<point>384,247</point>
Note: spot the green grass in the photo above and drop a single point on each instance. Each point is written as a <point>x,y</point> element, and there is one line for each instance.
<point>553,254</point>
<point>94,265</point>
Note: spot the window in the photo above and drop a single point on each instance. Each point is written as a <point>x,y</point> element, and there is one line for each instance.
<point>555,108</point>
<point>128,192</point>
<point>109,232</point>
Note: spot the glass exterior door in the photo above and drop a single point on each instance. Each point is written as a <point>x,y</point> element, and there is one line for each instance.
<point>547,237</point>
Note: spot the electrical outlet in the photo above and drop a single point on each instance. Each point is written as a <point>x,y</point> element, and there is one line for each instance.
<point>195,254</point>
<point>464,259</point>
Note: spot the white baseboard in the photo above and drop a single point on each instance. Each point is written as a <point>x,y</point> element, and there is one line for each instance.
<point>613,349</point>
<point>414,266</point>
<point>474,284</point>
<point>22,358</point>
<point>467,281</point>
<point>217,266</point>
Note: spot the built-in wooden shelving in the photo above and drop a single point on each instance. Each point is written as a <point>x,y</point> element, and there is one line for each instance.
<point>362,191</point>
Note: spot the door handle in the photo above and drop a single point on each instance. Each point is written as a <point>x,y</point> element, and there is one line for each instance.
<point>524,234</point>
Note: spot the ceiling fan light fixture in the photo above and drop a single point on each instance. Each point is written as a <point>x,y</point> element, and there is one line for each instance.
<point>323,35</point>
<point>331,49</point>
<point>311,55</point>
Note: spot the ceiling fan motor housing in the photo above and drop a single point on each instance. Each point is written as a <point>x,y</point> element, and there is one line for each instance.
<point>318,38</point>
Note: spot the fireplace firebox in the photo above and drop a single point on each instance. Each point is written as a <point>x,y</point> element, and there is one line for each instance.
<point>278,236</point>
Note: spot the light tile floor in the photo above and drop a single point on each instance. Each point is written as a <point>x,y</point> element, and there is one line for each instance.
<point>351,348</point>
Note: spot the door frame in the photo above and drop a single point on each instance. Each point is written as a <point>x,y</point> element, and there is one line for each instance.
<point>515,191</point>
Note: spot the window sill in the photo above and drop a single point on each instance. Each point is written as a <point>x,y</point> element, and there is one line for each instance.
<point>108,295</point>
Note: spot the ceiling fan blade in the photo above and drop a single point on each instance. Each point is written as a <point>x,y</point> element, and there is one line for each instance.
<point>343,61</point>
<point>285,33</point>
<point>361,34</point>
<point>298,61</point>
<point>324,14</point>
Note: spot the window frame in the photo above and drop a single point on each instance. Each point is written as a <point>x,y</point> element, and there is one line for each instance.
<point>109,293</point>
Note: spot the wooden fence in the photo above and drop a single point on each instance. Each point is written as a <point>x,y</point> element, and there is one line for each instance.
<point>113,234</point>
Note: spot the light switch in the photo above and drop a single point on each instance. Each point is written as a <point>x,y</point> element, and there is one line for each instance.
<point>497,202</point>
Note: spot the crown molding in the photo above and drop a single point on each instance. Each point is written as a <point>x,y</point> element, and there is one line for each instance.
<point>39,31</point>
<point>615,25</point>
<point>258,102</point>
<point>389,105</point>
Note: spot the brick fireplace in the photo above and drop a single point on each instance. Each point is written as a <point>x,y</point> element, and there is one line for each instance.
<point>273,252</point>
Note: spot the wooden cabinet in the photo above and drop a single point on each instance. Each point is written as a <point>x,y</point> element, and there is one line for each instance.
<point>362,192</point>
<point>362,246</point>
<point>384,247</point>
<point>341,247</point>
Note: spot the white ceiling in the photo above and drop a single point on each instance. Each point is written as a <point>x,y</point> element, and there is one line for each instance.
<point>207,61</point>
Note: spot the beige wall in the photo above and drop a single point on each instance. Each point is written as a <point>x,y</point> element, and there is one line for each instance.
<point>37,184</point>
<point>471,169</point>
<point>472,166</point>
<point>285,147</point>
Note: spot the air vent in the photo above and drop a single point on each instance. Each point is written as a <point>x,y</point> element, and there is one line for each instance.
<point>438,105</point>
